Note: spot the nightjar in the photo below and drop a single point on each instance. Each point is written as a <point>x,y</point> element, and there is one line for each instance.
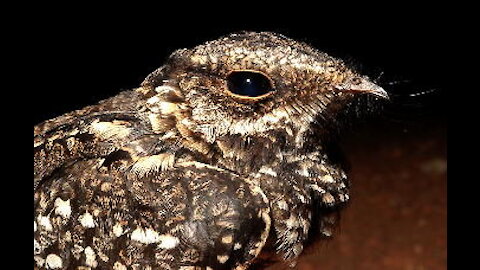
<point>218,155</point>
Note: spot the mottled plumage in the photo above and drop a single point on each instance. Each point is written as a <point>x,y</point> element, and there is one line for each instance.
<point>183,173</point>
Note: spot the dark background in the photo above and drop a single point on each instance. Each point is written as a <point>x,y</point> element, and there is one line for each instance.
<point>397,215</point>
<point>84,57</point>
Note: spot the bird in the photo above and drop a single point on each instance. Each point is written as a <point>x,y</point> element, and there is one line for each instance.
<point>217,156</point>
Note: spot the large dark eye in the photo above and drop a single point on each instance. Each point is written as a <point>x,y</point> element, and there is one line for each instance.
<point>249,84</point>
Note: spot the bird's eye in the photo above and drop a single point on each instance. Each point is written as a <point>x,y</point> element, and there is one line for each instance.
<point>249,84</point>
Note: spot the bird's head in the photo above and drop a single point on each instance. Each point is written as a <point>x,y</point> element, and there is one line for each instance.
<point>252,84</point>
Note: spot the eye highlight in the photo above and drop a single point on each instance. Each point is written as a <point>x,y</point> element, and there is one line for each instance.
<point>248,84</point>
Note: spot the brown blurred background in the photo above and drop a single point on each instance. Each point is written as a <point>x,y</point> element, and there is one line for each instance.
<point>397,215</point>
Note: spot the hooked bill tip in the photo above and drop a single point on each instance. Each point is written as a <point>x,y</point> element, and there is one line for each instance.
<point>379,92</point>
<point>362,85</point>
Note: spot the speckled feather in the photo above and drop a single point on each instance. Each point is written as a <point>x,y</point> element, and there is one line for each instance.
<point>182,174</point>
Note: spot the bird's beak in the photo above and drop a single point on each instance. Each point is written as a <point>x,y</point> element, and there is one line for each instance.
<point>363,85</point>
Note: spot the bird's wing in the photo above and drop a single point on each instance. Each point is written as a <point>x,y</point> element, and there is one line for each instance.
<point>190,215</point>
<point>94,131</point>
